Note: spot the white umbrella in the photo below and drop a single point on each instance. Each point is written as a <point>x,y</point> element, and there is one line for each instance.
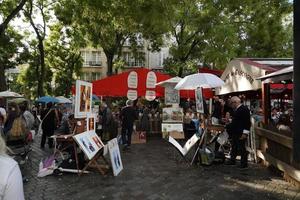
<point>172,82</point>
<point>8,93</point>
<point>204,80</point>
<point>62,99</point>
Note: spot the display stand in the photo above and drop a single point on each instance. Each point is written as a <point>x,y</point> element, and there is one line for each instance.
<point>95,163</point>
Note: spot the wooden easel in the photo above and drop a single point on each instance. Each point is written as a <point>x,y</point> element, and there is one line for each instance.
<point>94,163</point>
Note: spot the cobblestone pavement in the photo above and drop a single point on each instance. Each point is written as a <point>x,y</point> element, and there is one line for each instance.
<point>151,171</point>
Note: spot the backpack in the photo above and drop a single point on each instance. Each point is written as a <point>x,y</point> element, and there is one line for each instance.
<point>18,128</point>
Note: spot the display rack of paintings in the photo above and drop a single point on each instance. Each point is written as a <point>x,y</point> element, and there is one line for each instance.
<point>172,115</point>
<point>174,130</point>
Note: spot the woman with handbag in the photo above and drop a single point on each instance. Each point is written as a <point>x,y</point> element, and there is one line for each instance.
<point>48,117</point>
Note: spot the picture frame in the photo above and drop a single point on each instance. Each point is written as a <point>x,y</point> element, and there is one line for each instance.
<point>171,96</point>
<point>115,156</point>
<point>199,100</point>
<point>83,99</point>
<point>91,122</point>
<point>172,114</point>
<point>89,142</point>
<point>174,130</point>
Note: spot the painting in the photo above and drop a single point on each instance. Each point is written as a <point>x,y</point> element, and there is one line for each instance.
<point>172,114</point>
<point>83,99</point>
<point>91,122</point>
<point>171,96</point>
<point>173,130</point>
<point>199,100</point>
<point>115,156</point>
<point>89,143</point>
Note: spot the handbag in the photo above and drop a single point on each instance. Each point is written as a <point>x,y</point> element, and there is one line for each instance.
<point>40,130</point>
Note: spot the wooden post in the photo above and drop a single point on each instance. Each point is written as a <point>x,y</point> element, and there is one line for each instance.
<point>296,92</point>
<point>266,102</point>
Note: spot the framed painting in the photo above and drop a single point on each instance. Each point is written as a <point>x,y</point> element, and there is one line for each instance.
<point>83,99</point>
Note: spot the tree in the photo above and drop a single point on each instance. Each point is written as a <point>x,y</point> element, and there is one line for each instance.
<point>108,24</point>
<point>64,57</point>
<point>11,53</point>
<point>193,25</point>
<point>8,10</point>
<point>42,7</point>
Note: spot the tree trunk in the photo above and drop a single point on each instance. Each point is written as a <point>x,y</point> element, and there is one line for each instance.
<point>109,57</point>
<point>180,71</point>
<point>296,92</point>
<point>5,23</point>
<point>3,85</point>
<point>41,76</point>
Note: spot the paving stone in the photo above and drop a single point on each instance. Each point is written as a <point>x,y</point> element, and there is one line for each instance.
<point>151,172</point>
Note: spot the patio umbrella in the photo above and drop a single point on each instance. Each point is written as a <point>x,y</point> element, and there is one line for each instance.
<point>9,94</point>
<point>47,99</point>
<point>62,99</point>
<point>204,80</point>
<point>169,82</point>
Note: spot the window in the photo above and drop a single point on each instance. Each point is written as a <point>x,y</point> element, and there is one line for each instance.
<point>91,58</point>
<point>132,60</point>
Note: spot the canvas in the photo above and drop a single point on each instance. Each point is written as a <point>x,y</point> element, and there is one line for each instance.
<point>83,100</point>
<point>171,96</point>
<point>173,130</point>
<point>115,156</point>
<point>199,100</point>
<point>91,122</point>
<point>89,143</point>
<point>173,114</point>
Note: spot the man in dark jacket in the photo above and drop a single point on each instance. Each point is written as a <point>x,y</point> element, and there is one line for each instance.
<point>239,130</point>
<point>128,116</point>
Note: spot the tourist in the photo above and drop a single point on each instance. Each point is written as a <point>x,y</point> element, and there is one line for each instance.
<point>238,131</point>
<point>11,183</point>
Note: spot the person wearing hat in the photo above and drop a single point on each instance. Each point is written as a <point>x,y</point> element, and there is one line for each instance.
<point>128,116</point>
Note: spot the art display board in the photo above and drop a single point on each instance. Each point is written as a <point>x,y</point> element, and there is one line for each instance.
<point>172,114</point>
<point>171,95</point>
<point>115,156</point>
<point>83,99</point>
<point>91,122</point>
<point>173,130</point>
<point>199,100</point>
<point>187,146</point>
<point>89,143</point>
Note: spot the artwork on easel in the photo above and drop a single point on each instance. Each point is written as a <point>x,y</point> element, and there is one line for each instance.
<point>173,114</point>
<point>199,100</point>
<point>91,122</point>
<point>115,156</point>
<point>171,96</point>
<point>173,130</point>
<point>89,143</point>
<point>83,99</point>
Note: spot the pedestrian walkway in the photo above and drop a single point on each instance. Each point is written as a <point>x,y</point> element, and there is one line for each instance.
<point>150,172</point>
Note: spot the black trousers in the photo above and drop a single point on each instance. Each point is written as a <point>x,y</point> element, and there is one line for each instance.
<point>46,134</point>
<point>239,147</point>
<point>126,134</point>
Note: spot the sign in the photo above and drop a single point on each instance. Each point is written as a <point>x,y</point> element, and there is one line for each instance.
<point>115,157</point>
<point>150,95</point>
<point>132,80</point>
<point>199,100</point>
<point>89,143</point>
<point>171,95</point>
<point>132,95</point>
<point>151,80</point>
<point>83,99</point>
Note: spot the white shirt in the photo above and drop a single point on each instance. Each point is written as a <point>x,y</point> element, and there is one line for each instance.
<point>11,183</point>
